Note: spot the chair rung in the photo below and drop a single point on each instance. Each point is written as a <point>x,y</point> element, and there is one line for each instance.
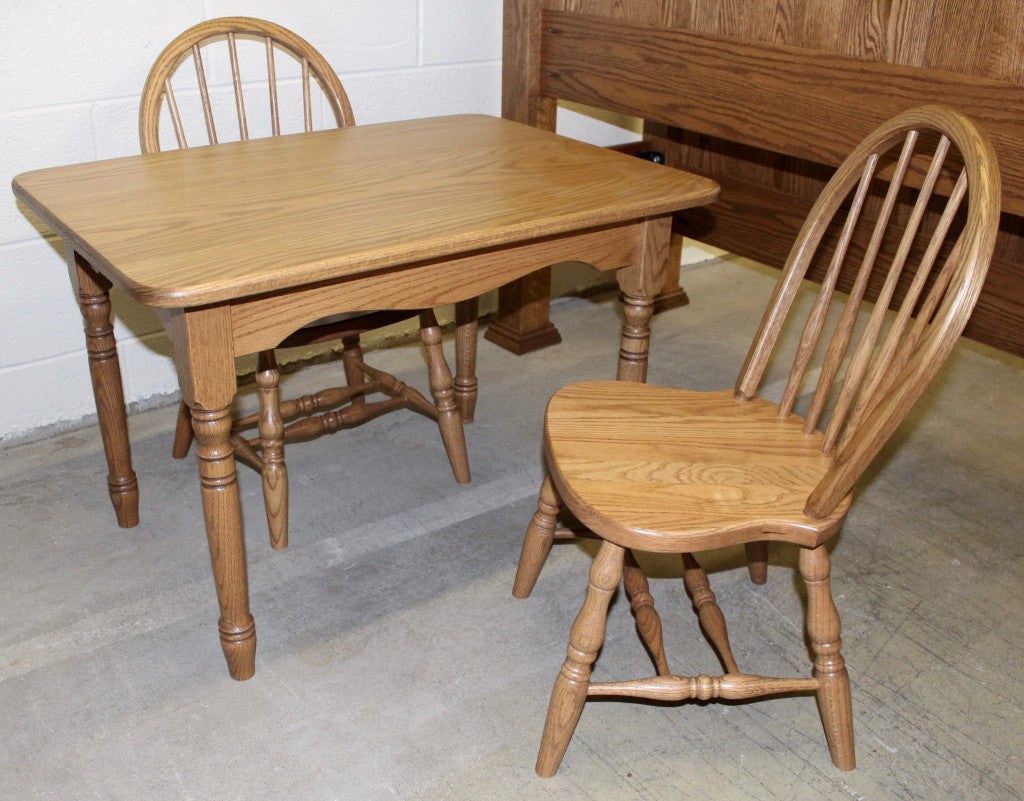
<point>390,385</point>
<point>731,686</point>
<point>575,534</point>
<point>317,402</point>
<point>348,417</point>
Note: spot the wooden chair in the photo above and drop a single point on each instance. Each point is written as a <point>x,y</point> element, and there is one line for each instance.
<point>334,408</point>
<point>668,470</point>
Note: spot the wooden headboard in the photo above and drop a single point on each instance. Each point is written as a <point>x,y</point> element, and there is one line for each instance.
<point>767,97</point>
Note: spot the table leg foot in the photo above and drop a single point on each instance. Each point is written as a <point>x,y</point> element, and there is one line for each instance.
<point>523,323</point>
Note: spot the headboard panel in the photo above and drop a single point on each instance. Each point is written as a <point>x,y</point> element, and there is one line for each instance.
<point>766,96</point>
<point>804,103</point>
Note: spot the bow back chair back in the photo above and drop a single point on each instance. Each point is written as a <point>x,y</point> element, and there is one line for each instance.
<point>668,470</point>
<point>298,79</point>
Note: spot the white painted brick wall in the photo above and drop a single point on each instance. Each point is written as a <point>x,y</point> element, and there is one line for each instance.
<point>70,76</point>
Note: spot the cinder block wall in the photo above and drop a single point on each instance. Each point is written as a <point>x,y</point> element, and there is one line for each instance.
<point>70,77</point>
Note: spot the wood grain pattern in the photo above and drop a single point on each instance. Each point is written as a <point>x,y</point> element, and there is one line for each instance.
<point>731,687</point>
<point>263,319</point>
<point>640,281</point>
<point>221,510</point>
<point>523,324</point>
<point>712,621</point>
<point>823,629</point>
<point>521,99</point>
<point>801,103</point>
<point>218,223</point>
<point>977,46</point>
<point>523,321</point>
<point>981,39</point>
<point>767,235</point>
<point>710,470</point>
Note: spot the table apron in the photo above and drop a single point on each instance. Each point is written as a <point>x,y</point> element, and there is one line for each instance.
<point>260,323</point>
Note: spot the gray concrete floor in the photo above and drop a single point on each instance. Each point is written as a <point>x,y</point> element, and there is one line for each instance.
<point>393,662</point>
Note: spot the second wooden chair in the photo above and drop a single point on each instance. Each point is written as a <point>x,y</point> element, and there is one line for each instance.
<point>668,470</point>
<point>308,81</point>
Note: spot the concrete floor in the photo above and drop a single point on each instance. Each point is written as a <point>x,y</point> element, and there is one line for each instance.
<point>393,662</point>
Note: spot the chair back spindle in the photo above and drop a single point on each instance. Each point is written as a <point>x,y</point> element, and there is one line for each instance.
<point>204,92</point>
<point>236,80</point>
<point>816,319</point>
<point>275,113</point>
<point>866,346</point>
<point>840,342</point>
<point>172,106</point>
<point>307,103</point>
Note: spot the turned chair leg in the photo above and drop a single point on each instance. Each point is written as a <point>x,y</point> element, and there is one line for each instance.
<point>823,627</point>
<point>351,358</point>
<point>648,623</point>
<point>449,421</point>
<point>465,384</point>
<point>585,640</point>
<point>272,467</point>
<point>182,432</point>
<point>537,542</point>
<point>709,614</point>
<point>757,561</point>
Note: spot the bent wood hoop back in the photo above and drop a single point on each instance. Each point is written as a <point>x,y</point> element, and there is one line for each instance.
<point>939,265</point>
<point>158,89</point>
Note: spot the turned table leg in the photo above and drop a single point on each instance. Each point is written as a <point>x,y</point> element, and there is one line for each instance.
<point>635,339</point>
<point>223,512</point>
<point>93,292</point>
<point>639,283</point>
<point>204,357</point>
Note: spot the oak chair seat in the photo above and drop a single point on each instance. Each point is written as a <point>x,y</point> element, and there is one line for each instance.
<point>712,470</point>
<point>280,73</point>
<point>669,470</point>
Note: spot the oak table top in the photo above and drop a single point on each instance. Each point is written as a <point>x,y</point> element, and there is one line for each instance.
<point>206,224</point>
<point>237,245</point>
